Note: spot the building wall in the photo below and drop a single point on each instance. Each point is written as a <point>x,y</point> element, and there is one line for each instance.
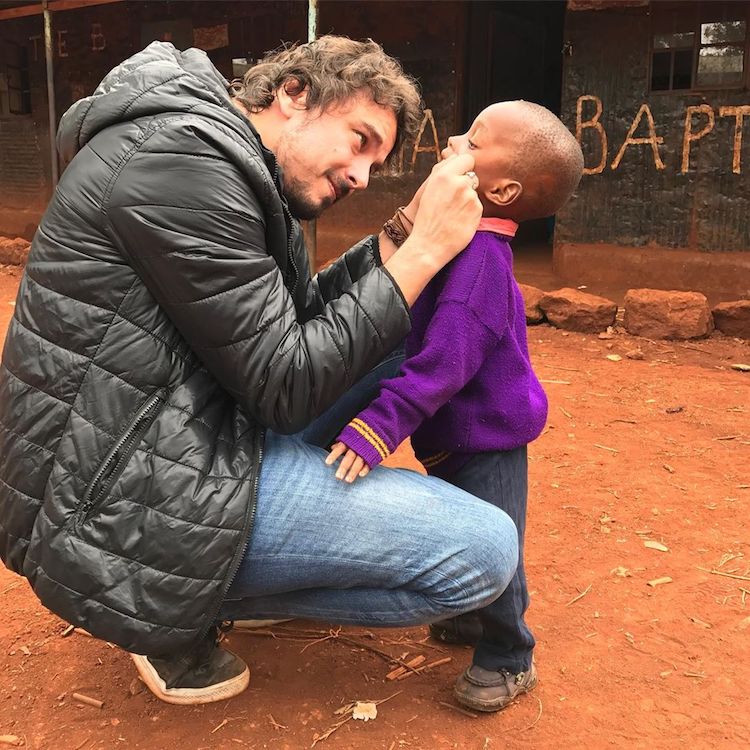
<point>638,201</point>
<point>89,41</point>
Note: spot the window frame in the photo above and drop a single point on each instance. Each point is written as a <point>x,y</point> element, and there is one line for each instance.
<point>18,64</point>
<point>676,18</point>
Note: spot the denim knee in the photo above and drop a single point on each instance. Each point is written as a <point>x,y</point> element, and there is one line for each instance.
<point>495,552</point>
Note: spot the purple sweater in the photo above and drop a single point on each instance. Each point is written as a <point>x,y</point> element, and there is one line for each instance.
<point>467,384</point>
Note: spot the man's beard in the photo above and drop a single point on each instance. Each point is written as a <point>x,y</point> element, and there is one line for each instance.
<point>301,205</point>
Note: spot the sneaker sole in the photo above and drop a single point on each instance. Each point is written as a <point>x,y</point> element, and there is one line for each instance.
<point>253,624</point>
<point>490,706</point>
<point>189,696</point>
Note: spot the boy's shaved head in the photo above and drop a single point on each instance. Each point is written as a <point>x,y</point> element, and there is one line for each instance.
<point>548,160</point>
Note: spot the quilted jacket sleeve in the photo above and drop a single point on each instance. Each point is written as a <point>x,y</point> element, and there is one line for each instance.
<point>183,213</point>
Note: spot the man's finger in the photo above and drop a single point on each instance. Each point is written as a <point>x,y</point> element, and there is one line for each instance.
<point>336,450</point>
<point>355,469</point>
<point>459,164</point>
<point>365,471</point>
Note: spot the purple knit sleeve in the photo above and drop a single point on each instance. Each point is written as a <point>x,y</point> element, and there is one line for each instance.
<point>455,345</point>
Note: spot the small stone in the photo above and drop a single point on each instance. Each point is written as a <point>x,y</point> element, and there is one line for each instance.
<point>635,354</point>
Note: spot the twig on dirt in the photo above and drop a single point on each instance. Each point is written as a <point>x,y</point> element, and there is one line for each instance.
<point>722,573</point>
<point>460,710</point>
<point>224,722</point>
<point>331,634</point>
<point>320,737</point>
<point>538,716</point>
<point>626,421</point>
<point>394,674</point>
<point>728,437</point>
<point>567,413</point>
<point>745,592</point>
<point>486,743</point>
<point>383,654</point>
<point>695,674</point>
<point>305,635</point>
<point>580,596</point>
<point>276,724</point>
<point>604,448</point>
<point>80,745</point>
<point>67,631</point>
<point>11,587</point>
<point>437,663</point>
<point>560,367</point>
<point>555,382</point>
<point>95,702</point>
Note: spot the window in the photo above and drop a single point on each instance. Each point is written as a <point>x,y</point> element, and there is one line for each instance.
<point>698,46</point>
<point>15,77</point>
<point>722,53</point>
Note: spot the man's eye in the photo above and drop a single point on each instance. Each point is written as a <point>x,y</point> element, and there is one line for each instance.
<point>362,139</point>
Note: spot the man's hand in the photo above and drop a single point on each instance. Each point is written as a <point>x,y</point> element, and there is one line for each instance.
<point>351,466</point>
<point>447,218</point>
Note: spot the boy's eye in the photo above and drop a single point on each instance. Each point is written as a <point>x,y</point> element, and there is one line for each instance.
<point>471,143</point>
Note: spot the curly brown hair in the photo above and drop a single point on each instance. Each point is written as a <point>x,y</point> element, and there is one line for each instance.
<point>333,69</point>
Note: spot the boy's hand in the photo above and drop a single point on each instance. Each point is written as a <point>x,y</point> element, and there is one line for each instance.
<point>351,466</point>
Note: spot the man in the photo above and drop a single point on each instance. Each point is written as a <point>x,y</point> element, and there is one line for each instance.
<point>167,335</point>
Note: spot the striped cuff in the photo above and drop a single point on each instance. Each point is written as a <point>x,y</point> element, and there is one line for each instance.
<point>365,442</point>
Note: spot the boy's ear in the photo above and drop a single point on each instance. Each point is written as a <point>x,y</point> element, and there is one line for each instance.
<point>291,103</point>
<point>504,192</point>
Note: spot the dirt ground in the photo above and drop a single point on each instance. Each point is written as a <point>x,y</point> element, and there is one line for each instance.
<point>640,645</point>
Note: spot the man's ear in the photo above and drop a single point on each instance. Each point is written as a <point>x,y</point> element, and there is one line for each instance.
<point>504,192</point>
<point>291,103</point>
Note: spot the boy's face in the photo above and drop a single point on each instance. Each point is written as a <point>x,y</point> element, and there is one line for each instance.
<point>493,140</point>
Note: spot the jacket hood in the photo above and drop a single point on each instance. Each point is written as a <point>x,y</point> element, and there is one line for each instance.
<point>158,79</point>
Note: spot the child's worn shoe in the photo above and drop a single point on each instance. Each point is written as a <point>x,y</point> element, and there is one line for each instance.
<point>463,629</point>
<point>486,690</point>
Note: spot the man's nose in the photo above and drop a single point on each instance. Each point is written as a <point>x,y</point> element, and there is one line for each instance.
<point>358,174</point>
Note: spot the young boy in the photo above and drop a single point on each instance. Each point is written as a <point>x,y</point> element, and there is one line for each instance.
<point>466,393</point>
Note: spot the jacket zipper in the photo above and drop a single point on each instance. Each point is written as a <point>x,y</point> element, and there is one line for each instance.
<point>290,220</point>
<point>118,456</point>
<point>246,529</point>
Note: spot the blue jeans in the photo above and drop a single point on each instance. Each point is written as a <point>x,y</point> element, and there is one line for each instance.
<point>392,549</point>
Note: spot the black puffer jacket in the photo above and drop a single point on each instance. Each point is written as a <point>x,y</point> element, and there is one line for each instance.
<point>165,318</point>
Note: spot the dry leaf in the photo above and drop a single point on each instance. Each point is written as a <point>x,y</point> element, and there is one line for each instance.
<point>744,624</point>
<point>659,581</point>
<point>741,367</point>
<point>656,545</point>
<point>364,710</point>
<point>25,650</point>
<point>614,357</point>
<point>620,571</point>
<point>10,739</point>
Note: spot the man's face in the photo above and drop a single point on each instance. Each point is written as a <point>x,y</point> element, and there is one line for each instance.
<point>493,140</point>
<point>326,155</point>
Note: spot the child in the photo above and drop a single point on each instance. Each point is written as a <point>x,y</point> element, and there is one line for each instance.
<point>467,393</point>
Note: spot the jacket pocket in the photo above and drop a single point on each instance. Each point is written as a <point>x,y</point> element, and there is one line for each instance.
<point>119,455</point>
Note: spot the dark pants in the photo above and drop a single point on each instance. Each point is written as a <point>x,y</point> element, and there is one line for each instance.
<point>500,478</point>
